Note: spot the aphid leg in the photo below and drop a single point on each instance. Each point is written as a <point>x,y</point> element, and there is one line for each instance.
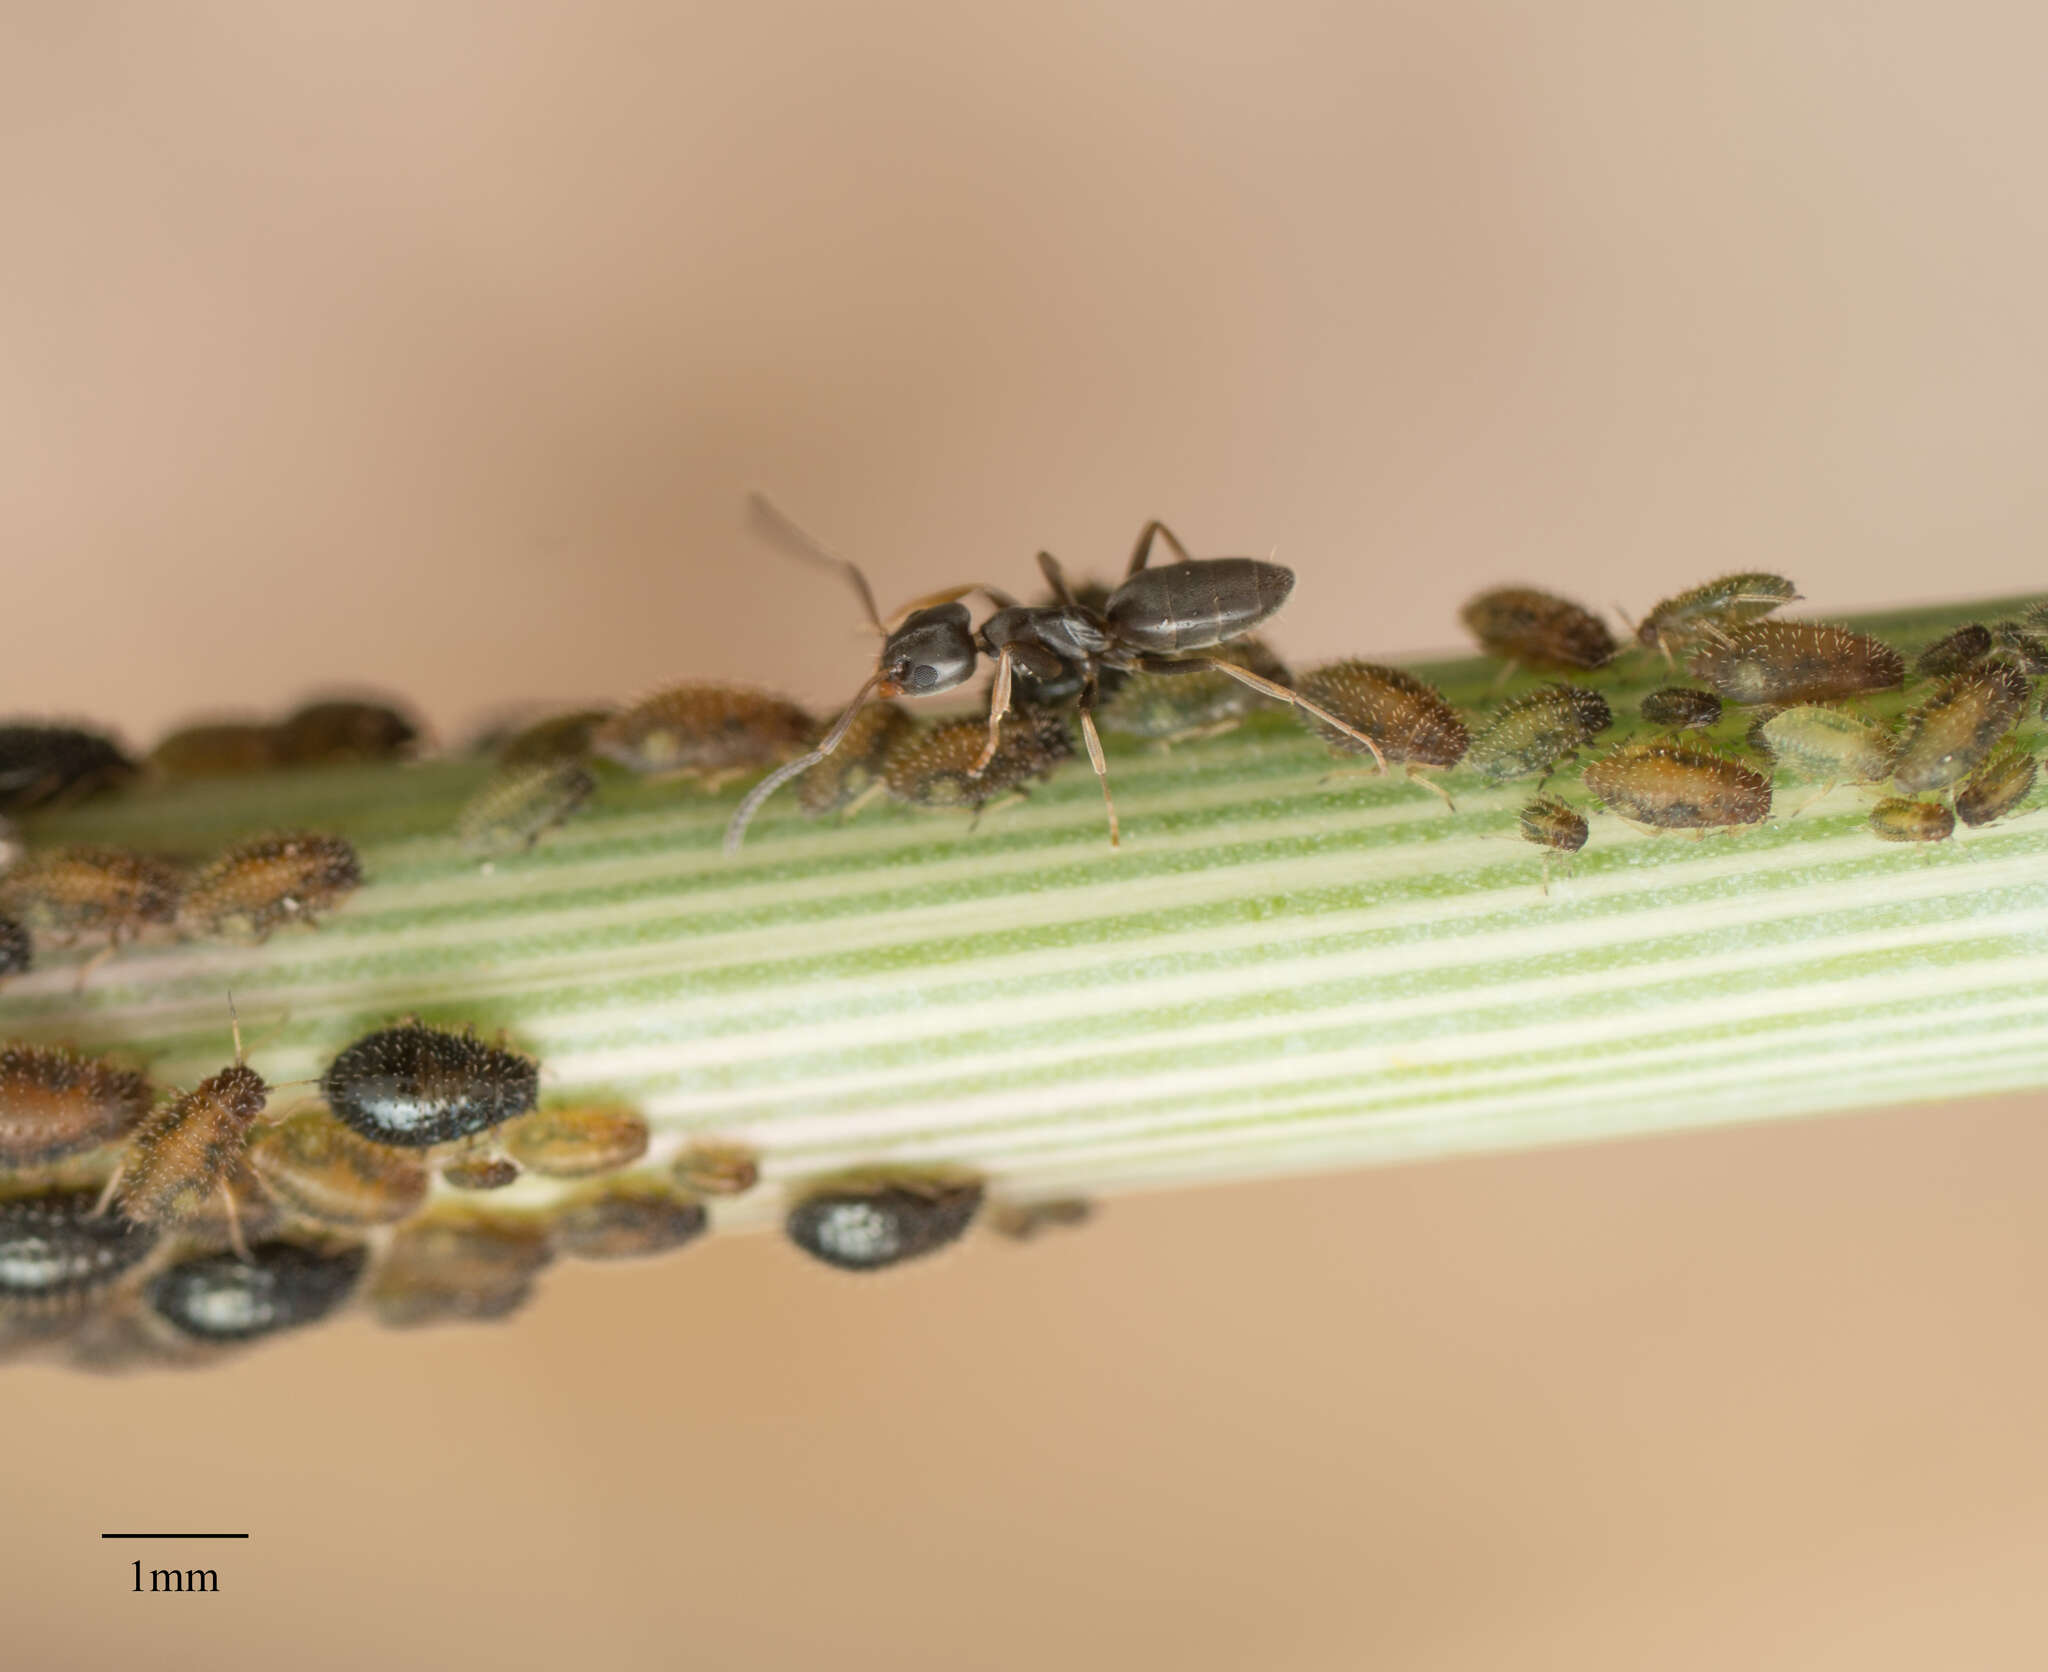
<point>736,830</point>
<point>1245,676</point>
<point>98,958</point>
<point>1821,794</point>
<point>853,807</point>
<point>236,1241</point>
<point>1433,787</point>
<point>998,706</point>
<point>99,1208</point>
<point>1095,759</point>
<point>1141,553</point>
<point>1508,670</point>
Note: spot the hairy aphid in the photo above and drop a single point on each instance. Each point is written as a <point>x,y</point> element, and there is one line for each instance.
<point>875,1217</point>
<point>17,947</point>
<point>1555,827</point>
<point>1953,652</point>
<point>280,1286</point>
<point>1796,662</point>
<point>224,749</point>
<point>41,764</point>
<point>848,778</point>
<point>54,1103</point>
<point>1828,744</point>
<point>1948,736</point>
<point>415,1086</point>
<point>1532,733</point>
<point>714,731</point>
<point>1533,629</point>
<point>521,804</point>
<point>56,1253</point>
<point>710,1168</point>
<point>1707,611</point>
<point>258,886</point>
<point>1897,819</point>
<point>181,1157</point>
<point>559,737</point>
<point>1998,786</point>
<point>317,1169</point>
<point>576,1143</point>
<point>1025,1221</point>
<point>1167,708</point>
<point>936,768</point>
<point>1407,717</point>
<point>478,1170</point>
<point>1667,787</point>
<point>69,892</point>
<point>345,732</point>
<point>2025,645</point>
<point>628,1220</point>
<point>458,1264</point>
<point>1678,708</point>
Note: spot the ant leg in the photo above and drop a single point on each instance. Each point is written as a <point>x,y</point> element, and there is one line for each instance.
<point>998,706</point>
<point>736,830</point>
<point>1245,676</point>
<point>235,1238</point>
<point>1141,553</point>
<point>1095,758</point>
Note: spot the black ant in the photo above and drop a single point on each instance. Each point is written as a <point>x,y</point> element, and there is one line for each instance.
<point>1154,622</point>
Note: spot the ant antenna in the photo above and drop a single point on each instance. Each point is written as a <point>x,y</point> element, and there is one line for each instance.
<point>779,526</point>
<point>743,814</point>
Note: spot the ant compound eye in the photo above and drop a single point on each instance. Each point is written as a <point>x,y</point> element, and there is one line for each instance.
<point>923,677</point>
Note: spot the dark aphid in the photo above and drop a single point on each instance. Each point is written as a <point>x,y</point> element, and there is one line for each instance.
<point>1532,733</point>
<point>1407,717</point>
<point>627,1220</point>
<point>845,780</point>
<point>181,1157</point>
<point>576,1143</point>
<point>1828,744</point>
<point>17,948</point>
<point>717,1169</point>
<point>1168,708</point>
<point>1022,1221</point>
<point>478,1169</point>
<point>1554,826</point>
<point>228,749</point>
<point>457,1264</point>
<point>1680,708</point>
<point>280,1286</point>
<point>344,733</point>
<point>1709,610</point>
<point>257,886</point>
<point>1668,787</point>
<point>415,1086</point>
<point>55,1252</point>
<point>1535,629</point>
<point>44,764</point>
<point>92,890</point>
<point>1797,662</point>
<point>521,804</point>
<point>937,768</point>
<point>560,737</point>
<point>1996,787</point>
<point>55,1103</point>
<point>317,1169</point>
<point>1947,736</point>
<point>1898,820</point>
<point>1953,652</point>
<point>875,1217</point>
<point>2026,645</point>
<point>713,731</point>
<point>2034,618</point>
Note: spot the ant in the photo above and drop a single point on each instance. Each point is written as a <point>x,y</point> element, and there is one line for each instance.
<point>1155,622</point>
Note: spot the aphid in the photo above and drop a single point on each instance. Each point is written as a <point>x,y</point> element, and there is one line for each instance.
<point>55,1103</point>
<point>714,731</point>
<point>237,1215</point>
<point>228,749</point>
<point>1532,733</point>
<point>576,1143</point>
<point>476,1169</point>
<point>457,1264</point>
<point>1554,826</point>
<point>1828,744</point>
<point>716,1169</point>
<point>1022,1221</point>
<point>1168,708</point>
<point>874,1217</point>
<point>846,779</point>
<point>1898,820</point>
<point>1797,662</point>
<point>254,887</point>
<point>1533,629</point>
<point>1668,787</point>
<point>55,1252</point>
<point>279,1286</point>
<point>317,1169</point>
<point>1680,708</point>
<point>627,1220</point>
<point>2026,645</point>
<point>1407,717</point>
<point>2034,618</point>
<point>937,768</point>
<point>1947,736</point>
<point>92,890</point>
<point>559,737</point>
<point>1158,618</point>
<point>42,764</point>
<point>17,948</point>
<point>521,804</point>
<point>414,1086</point>
<point>1953,652</point>
<point>1709,610</point>
<point>345,732</point>
<point>1998,786</point>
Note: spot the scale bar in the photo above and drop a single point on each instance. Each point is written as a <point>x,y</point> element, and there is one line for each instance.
<point>174,1535</point>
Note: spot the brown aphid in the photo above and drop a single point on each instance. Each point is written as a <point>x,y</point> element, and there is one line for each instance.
<point>227,749</point>
<point>240,1213</point>
<point>713,731</point>
<point>936,768</point>
<point>629,1220</point>
<point>92,890</point>
<point>521,804</point>
<point>1407,717</point>
<point>17,948</point>
<point>54,1103</point>
<point>709,1168</point>
<point>2027,646</point>
<point>42,764</point>
<point>180,1158</point>
<point>478,1169</point>
<point>459,1264</point>
<point>872,1217</point>
<point>1024,1221</point>
<point>1953,652</point>
<point>1707,611</point>
<point>1948,736</point>
<point>1668,787</point>
<point>1896,819</point>
<point>1680,708</point>
<point>1554,826</point>
<point>1998,786</point>
<point>1532,733</point>
<point>576,1143</point>
<point>847,779</point>
<point>1538,629</point>
<point>345,732</point>
<point>560,737</point>
<point>1828,744</point>
<point>257,886</point>
<point>1796,662</point>
<point>1168,708</point>
<point>317,1169</point>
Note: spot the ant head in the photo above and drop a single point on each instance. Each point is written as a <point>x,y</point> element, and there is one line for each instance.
<point>932,651</point>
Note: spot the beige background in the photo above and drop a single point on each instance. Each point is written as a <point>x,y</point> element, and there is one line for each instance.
<point>435,346</point>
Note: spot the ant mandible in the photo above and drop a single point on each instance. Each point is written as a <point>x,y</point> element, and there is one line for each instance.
<point>1152,623</point>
